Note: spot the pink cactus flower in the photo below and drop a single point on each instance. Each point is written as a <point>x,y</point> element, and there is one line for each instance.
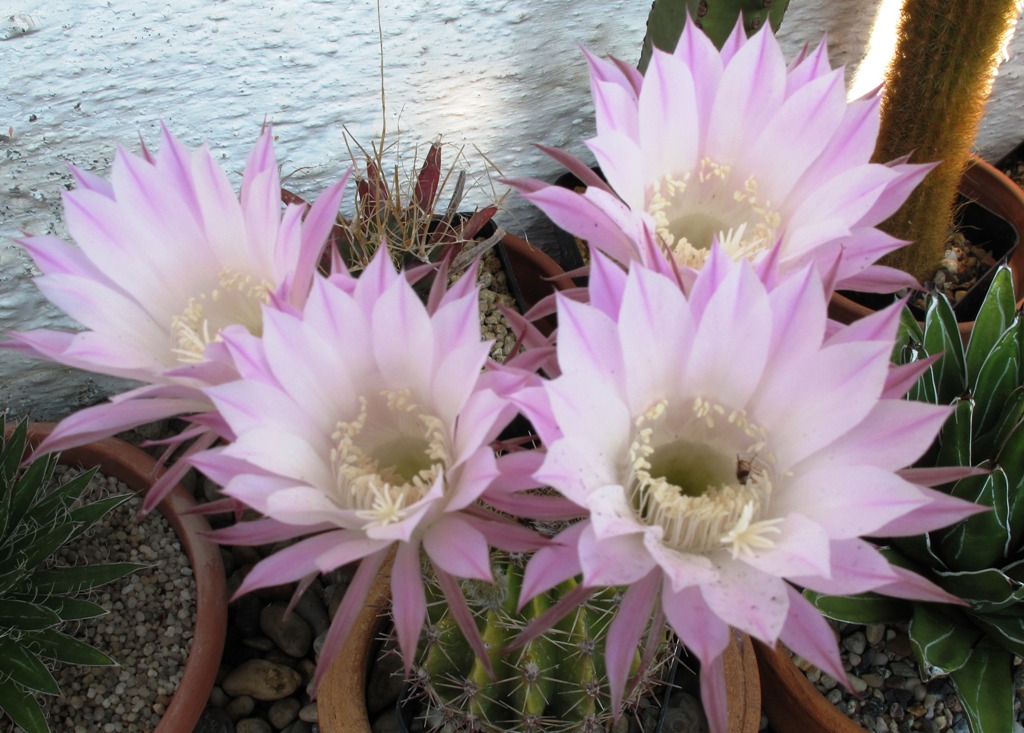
<point>168,260</point>
<point>726,450</point>
<point>363,425</point>
<point>735,146</point>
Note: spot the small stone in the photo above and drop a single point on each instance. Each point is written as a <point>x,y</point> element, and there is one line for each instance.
<point>214,720</point>
<point>262,680</point>
<point>240,707</point>
<point>857,683</point>
<point>874,633</point>
<point>855,643</point>
<point>903,669</point>
<point>385,684</point>
<point>873,679</point>
<point>311,609</point>
<point>259,643</point>
<point>391,724</point>
<point>309,713</point>
<point>687,716</point>
<point>854,660</point>
<point>218,699</point>
<point>283,712</point>
<point>899,646</point>
<point>247,615</point>
<point>292,635</point>
<point>301,726</point>
<point>253,725</point>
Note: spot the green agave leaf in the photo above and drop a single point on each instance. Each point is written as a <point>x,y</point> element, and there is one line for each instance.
<point>60,499</point>
<point>1011,455</point>
<point>24,616</point>
<point>22,665</point>
<point>12,577</point>
<point>980,540</point>
<point>29,488</point>
<point>986,445</point>
<point>985,688</point>
<point>999,376</point>
<point>987,590</point>
<point>86,516</point>
<point>865,608</point>
<point>942,336</point>
<point>33,548</point>
<point>1006,630</point>
<point>22,707</point>
<point>942,641</point>
<point>918,548</point>
<point>72,609</point>
<point>994,317</point>
<point>955,436</point>
<point>56,645</point>
<point>12,451</point>
<point>81,577</point>
<point>909,338</point>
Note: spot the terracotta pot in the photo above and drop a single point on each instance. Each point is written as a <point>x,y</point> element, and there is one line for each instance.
<point>791,702</point>
<point>341,703</point>
<point>994,192</point>
<point>532,275</point>
<point>135,468</point>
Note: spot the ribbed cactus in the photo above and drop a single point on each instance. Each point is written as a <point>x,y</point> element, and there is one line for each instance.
<point>554,683</point>
<point>716,17</point>
<point>980,559</point>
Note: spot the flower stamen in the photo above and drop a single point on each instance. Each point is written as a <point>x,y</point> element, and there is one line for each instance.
<point>690,212</point>
<point>384,466</point>
<point>701,497</point>
<point>237,299</point>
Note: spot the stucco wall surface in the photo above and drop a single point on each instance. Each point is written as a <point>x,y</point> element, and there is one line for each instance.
<point>82,76</point>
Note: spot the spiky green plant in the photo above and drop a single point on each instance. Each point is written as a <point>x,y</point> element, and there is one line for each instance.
<point>717,18</point>
<point>554,683</point>
<point>980,559</point>
<point>408,216</point>
<point>38,598</point>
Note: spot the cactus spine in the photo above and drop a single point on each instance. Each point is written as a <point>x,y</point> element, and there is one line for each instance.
<point>554,683</point>
<point>717,18</point>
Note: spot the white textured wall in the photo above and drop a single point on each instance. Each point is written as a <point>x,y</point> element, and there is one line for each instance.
<point>81,76</point>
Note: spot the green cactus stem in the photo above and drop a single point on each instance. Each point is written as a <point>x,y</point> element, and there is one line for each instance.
<point>553,684</point>
<point>716,17</point>
<point>936,89</point>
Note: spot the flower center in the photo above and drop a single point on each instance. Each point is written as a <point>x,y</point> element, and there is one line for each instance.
<point>704,477</point>
<point>236,299</point>
<point>387,458</point>
<point>689,213</point>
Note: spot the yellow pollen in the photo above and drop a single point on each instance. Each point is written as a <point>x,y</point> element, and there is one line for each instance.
<point>726,509</point>
<point>691,211</point>
<point>235,300</point>
<point>381,472</point>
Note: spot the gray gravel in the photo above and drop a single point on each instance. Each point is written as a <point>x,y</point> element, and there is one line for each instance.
<point>148,630</point>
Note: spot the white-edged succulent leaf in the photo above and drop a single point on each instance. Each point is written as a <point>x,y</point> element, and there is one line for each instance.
<point>985,687</point>
<point>994,317</point>
<point>36,595</point>
<point>942,639</point>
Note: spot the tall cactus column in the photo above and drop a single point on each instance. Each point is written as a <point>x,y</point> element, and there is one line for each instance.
<point>935,94</point>
<point>717,18</point>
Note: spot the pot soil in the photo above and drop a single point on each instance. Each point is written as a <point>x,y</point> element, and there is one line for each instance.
<point>133,467</point>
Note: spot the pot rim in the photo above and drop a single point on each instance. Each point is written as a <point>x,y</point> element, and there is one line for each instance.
<point>137,470</point>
